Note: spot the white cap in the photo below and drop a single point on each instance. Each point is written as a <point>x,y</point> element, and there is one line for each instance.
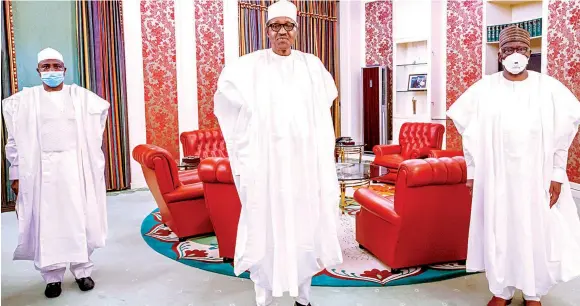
<point>282,8</point>
<point>49,53</point>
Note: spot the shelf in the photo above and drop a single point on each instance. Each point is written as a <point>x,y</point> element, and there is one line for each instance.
<point>512,2</point>
<point>531,39</point>
<point>416,64</point>
<point>406,40</point>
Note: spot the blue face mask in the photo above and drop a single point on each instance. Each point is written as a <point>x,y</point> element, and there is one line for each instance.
<point>52,78</point>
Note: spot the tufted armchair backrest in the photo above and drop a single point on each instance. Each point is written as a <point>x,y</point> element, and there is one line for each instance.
<point>204,143</point>
<point>432,171</point>
<point>416,135</point>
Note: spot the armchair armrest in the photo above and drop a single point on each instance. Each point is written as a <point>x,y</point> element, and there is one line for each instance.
<point>444,153</point>
<point>376,205</point>
<point>420,153</point>
<point>381,150</point>
<point>215,170</point>
<point>184,193</point>
<point>146,154</point>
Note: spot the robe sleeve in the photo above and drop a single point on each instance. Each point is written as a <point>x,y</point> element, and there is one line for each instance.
<point>104,110</point>
<point>567,120</point>
<point>8,111</point>
<point>228,103</point>
<point>328,83</point>
<point>463,113</point>
<point>95,105</point>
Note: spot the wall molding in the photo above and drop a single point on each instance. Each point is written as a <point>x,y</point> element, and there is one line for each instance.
<point>352,59</point>
<point>135,85</point>
<point>231,31</point>
<point>185,58</point>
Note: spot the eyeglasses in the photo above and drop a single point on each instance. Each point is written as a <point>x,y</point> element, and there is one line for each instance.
<point>276,27</point>
<point>520,50</point>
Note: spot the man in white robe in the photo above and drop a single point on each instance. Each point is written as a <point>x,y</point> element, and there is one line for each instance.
<point>517,126</point>
<point>273,107</point>
<point>55,134</point>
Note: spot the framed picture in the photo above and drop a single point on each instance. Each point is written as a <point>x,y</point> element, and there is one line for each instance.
<point>417,82</point>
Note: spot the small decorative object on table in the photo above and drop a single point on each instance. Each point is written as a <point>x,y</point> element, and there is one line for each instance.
<point>346,145</point>
<point>414,106</point>
<point>192,160</point>
<point>189,162</point>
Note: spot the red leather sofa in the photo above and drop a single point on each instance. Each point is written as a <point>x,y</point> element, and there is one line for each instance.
<point>182,206</point>
<point>203,143</point>
<point>223,202</point>
<point>427,222</point>
<point>416,140</point>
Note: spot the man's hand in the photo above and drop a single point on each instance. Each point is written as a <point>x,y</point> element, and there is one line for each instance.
<point>555,189</point>
<point>469,185</point>
<point>14,186</point>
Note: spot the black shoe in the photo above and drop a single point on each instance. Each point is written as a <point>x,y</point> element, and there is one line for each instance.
<point>298,304</point>
<point>52,290</point>
<point>86,283</point>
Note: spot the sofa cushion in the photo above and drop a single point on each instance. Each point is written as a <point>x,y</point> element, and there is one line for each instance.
<point>380,206</point>
<point>389,161</point>
<point>185,193</point>
<point>189,176</point>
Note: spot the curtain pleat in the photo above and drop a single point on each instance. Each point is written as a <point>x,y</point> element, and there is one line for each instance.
<point>317,34</point>
<point>102,70</point>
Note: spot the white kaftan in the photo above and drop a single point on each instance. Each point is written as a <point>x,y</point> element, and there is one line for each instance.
<point>274,113</point>
<point>54,150</point>
<point>516,137</point>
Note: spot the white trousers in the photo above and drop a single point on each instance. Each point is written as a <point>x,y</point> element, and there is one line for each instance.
<point>55,273</point>
<point>264,296</point>
<point>508,294</point>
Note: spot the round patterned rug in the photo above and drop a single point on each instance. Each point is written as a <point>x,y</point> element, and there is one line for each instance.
<point>359,268</point>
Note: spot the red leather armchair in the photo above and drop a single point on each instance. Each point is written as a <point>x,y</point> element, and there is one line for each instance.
<point>428,220</point>
<point>203,143</point>
<point>223,202</point>
<point>182,206</point>
<point>416,140</point>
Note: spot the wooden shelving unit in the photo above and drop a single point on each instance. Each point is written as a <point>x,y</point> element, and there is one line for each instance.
<point>418,50</point>
<point>499,12</point>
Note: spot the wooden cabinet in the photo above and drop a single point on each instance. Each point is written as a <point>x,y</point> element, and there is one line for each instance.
<point>375,119</point>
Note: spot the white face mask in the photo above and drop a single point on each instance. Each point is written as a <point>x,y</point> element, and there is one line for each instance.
<point>515,63</point>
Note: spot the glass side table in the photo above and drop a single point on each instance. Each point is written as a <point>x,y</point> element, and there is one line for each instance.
<point>341,150</point>
<point>355,175</point>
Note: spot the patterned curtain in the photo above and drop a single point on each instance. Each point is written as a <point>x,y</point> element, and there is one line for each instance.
<point>9,87</point>
<point>317,34</point>
<point>102,70</point>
